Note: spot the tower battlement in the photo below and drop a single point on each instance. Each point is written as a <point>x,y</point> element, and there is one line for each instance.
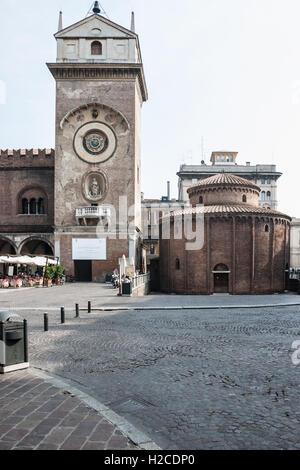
<point>27,157</point>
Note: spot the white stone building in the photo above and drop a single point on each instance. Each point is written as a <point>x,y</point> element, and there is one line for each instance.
<point>265,176</point>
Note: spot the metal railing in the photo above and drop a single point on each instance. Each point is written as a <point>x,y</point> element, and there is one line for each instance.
<point>92,211</point>
<point>140,280</point>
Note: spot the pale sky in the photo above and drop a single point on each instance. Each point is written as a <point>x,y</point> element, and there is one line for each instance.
<point>227,70</point>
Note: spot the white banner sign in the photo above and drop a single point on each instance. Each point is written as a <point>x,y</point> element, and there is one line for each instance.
<point>93,249</point>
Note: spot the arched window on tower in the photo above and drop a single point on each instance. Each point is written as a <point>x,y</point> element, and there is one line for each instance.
<point>200,200</point>
<point>263,196</point>
<point>96,48</point>
<point>244,198</point>
<point>267,228</point>
<point>177,264</point>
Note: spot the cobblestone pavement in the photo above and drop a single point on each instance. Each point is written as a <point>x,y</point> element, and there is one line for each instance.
<point>190,379</point>
<point>36,415</point>
<point>207,379</point>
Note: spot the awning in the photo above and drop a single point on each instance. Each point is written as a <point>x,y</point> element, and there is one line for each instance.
<point>28,260</point>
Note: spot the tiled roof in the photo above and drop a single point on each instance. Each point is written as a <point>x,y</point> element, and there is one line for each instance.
<point>224,179</point>
<point>232,209</point>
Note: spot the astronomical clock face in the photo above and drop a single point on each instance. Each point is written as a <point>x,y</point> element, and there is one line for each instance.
<point>95,143</point>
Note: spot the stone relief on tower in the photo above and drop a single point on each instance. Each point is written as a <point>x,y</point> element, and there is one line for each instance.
<point>94,185</point>
<point>96,131</point>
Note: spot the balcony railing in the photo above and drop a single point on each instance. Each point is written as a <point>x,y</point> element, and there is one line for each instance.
<point>92,211</point>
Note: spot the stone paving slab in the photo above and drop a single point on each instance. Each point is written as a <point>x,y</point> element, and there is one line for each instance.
<point>35,415</point>
<point>104,297</point>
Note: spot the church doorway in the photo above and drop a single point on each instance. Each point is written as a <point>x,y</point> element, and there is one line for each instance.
<point>221,279</point>
<point>83,271</point>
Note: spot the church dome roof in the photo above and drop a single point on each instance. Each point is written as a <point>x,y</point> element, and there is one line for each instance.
<point>232,209</point>
<point>224,179</point>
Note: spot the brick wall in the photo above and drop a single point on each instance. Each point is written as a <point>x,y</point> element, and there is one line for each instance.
<point>21,170</point>
<point>256,267</point>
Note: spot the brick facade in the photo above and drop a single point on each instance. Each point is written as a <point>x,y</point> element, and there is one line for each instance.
<point>251,243</point>
<point>28,173</point>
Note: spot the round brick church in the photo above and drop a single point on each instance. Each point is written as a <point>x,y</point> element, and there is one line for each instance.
<point>245,248</point>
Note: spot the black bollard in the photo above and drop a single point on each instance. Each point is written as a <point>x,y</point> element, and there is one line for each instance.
<point>25,341</point>
<point>77,310</point>
<point>62,315</point>
<point>89,307</point>
<point>46,322</point>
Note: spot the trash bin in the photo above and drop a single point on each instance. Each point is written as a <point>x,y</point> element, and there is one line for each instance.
<point>127,288</point>
<point>13,343</point>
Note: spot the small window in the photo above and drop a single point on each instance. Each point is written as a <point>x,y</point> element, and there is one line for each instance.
<point>41,206</point>
<point>152,250</point>
<point>177,264</point>
<point>200,200</point>
<point>267,228</point>
<point>268,196</point>
<point>263,181</point>
<point>263,196</point>
<point>32,206</point>
<point>269,181</point>
<point>244,198</point>
<point>25,206</point>
<point>96,48</point>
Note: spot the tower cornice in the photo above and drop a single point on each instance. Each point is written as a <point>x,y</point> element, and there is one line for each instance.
<point>100,71</point>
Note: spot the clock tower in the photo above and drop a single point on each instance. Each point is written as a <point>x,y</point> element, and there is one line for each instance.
<point>100,90</point>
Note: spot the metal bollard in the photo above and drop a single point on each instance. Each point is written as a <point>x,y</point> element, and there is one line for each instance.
<point>77,310</point>
<point>46,322</point>
<point>62,315</point>
<point>89,307</point>
<point>25,341</point>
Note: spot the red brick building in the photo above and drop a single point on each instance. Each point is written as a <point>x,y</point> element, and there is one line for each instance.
<point>245,247</point>
<point>27,202</point>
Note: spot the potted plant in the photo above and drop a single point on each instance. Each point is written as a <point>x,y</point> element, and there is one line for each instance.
<point>5,283</point>
<point>48,275</point>
<point>58,273</point>
<point>13,283</point>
